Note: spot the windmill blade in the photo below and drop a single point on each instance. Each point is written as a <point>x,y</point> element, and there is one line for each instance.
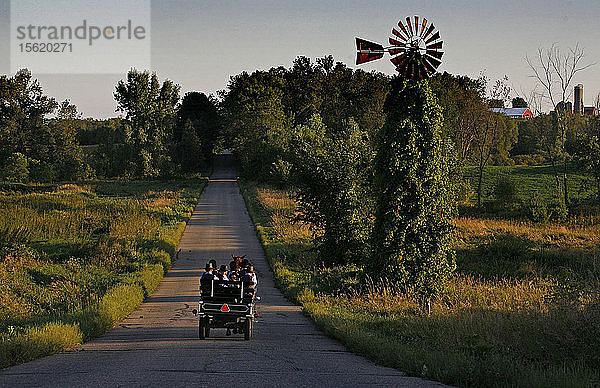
<point>423,26</point>
<point>402,66</point>
<point>395,42</point>
<point>434,53</point>
<point>397,60</point>
<point>367,51</point>
<point>408,23</point>
<point>428,66</point>
<point>429,31</point>
<point>403,28</point>
<point>435,36</point>
<point>416,25</point>
<point>398,34</point>
<point>364,57</point>
<point>434,62</point>
<point>435,46</point>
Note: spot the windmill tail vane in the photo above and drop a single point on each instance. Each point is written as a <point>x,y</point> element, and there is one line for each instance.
<point>415,49</point>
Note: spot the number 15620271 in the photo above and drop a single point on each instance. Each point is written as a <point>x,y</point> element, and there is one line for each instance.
<point>46,47</point>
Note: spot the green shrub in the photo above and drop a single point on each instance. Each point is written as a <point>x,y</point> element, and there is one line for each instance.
<point>16,168</point>
<point>280,172</point>
<point>538,209</point>
<point>464,193</point>
<point>558,210</point>
<point>505,192</point>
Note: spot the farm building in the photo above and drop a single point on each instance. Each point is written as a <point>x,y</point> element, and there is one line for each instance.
<point>514,113</point>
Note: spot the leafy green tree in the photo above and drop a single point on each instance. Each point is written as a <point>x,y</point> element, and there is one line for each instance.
<point>149,122</point>
<point>412,231</point>
<point>302,90</point>
<point>331,171</point>
<point>111,157</point>
<point>257,128</point>
<point>461,99</point>
<point>15,168</point>
<point>356,94</point>
<point>23,108</point>
<point>67,153</point>
<point>190,148</point>
<point>202,113</point>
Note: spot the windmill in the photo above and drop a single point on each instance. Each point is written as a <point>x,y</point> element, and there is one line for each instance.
<point>414,48</point>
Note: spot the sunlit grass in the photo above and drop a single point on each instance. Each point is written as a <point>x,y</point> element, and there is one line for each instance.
<point>83,255</point>
<point>523,308</point>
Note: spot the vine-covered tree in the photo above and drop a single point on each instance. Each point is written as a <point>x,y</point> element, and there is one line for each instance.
<point>412,231</point>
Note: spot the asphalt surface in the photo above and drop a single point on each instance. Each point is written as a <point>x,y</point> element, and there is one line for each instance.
<point>157,345</point>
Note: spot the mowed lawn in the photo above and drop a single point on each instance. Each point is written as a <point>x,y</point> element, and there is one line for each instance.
<point>523,308</point>
<point>75,259</point>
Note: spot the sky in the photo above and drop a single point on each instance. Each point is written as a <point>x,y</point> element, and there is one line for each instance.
<point>200,44</point>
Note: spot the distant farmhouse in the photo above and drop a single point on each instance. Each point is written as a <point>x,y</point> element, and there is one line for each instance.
<point>514,113</point>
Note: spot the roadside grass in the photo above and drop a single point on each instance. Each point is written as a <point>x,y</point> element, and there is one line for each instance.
<point>76,259</point>
<point>523,308</point>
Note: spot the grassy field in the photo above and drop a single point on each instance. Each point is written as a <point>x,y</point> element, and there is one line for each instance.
<point>76,259</point>
<point>523,308</point>
<point>529,180</point>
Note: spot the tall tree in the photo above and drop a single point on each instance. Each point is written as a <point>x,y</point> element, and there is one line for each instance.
<point>257,127</point>
<point>149,121</point>
<point>23,107</point>
<point>67,154</point>
<point>202,114</point>
<point>461,99</point>
<point>554,71</point>
<point>412,231</point>
<point>331,171</point>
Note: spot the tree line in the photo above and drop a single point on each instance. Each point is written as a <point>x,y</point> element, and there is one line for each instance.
<point>158,135</point>
<point>318,128</point>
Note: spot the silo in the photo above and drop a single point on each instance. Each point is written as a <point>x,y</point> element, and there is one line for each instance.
<point>578,99</point>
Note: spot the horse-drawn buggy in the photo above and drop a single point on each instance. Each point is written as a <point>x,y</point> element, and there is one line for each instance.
<point>227,298</point>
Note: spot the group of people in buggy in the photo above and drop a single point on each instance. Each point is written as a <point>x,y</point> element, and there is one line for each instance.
<point>227,296</point>
<point>239,268</point>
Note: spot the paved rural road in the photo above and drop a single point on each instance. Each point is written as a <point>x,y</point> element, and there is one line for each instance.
<point>157,345</point>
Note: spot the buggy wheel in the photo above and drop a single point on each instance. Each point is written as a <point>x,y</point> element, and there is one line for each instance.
<point>203,329</point>
<point>248,329</point>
